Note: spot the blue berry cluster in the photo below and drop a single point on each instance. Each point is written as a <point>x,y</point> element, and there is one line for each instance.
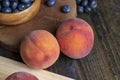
<point>64,9</point>
<point>12,6</point>
<point>85,6</point>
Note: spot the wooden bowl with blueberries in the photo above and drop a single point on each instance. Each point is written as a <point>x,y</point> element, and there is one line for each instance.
<point>13,12</point>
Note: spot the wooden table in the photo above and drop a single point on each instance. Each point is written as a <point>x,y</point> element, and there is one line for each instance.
<point>103,63</point>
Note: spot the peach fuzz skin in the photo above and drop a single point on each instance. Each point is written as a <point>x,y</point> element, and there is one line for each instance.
<point>21,76</point>
<point>39,49</point>
<point>75,37</point>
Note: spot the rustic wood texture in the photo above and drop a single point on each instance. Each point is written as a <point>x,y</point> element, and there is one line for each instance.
<point>103,63</point>
<point>48,18</point>
<point>8,67</point>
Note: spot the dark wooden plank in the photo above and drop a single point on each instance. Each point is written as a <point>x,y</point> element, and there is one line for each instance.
<point>104,61</point>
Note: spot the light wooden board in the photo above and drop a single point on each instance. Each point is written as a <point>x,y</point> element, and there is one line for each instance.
<point>8,66</point>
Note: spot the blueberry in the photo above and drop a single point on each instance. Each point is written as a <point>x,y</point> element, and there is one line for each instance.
<point>66,9</point>
<point>78,1</point>
<point>87,9</point>
<point>7,10</point>
<point>80,9</point>
<point>93,4</point>
<point>84,2</point>
<point>21,7</point>
<point>15,10</point>
<point>25,1</point>
<point>32,0</point>
<point>6,3</point>
<point>14,4</point>
<point>0,7</point>
<point>11,0</point>
<point>50,3</point>
<point>27,5</point>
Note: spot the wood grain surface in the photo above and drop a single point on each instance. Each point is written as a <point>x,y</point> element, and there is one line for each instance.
<point>47,18</point>
<point>8,67</point>
<point>103,63</point>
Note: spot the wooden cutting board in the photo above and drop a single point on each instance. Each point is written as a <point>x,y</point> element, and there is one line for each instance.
<point>48,18</point>
<point>8,66</point>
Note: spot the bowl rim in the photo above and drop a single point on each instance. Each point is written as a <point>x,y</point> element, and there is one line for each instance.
<point>20,11</point>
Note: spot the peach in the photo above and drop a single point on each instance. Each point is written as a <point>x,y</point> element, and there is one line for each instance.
<point>39,49</point>
<point>75,37</point>
<point>21,76</point>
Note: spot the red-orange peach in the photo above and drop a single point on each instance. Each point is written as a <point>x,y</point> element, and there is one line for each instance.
<point>39,49</point>
<point>21,76</point>
<point>75,37</point>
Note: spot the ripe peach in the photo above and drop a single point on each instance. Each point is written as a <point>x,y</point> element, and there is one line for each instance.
<point>21,76</point>
<point>39,49</point>
<point>75,37</point>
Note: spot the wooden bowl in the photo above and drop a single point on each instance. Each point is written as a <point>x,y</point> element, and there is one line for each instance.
<point>20,17</point>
